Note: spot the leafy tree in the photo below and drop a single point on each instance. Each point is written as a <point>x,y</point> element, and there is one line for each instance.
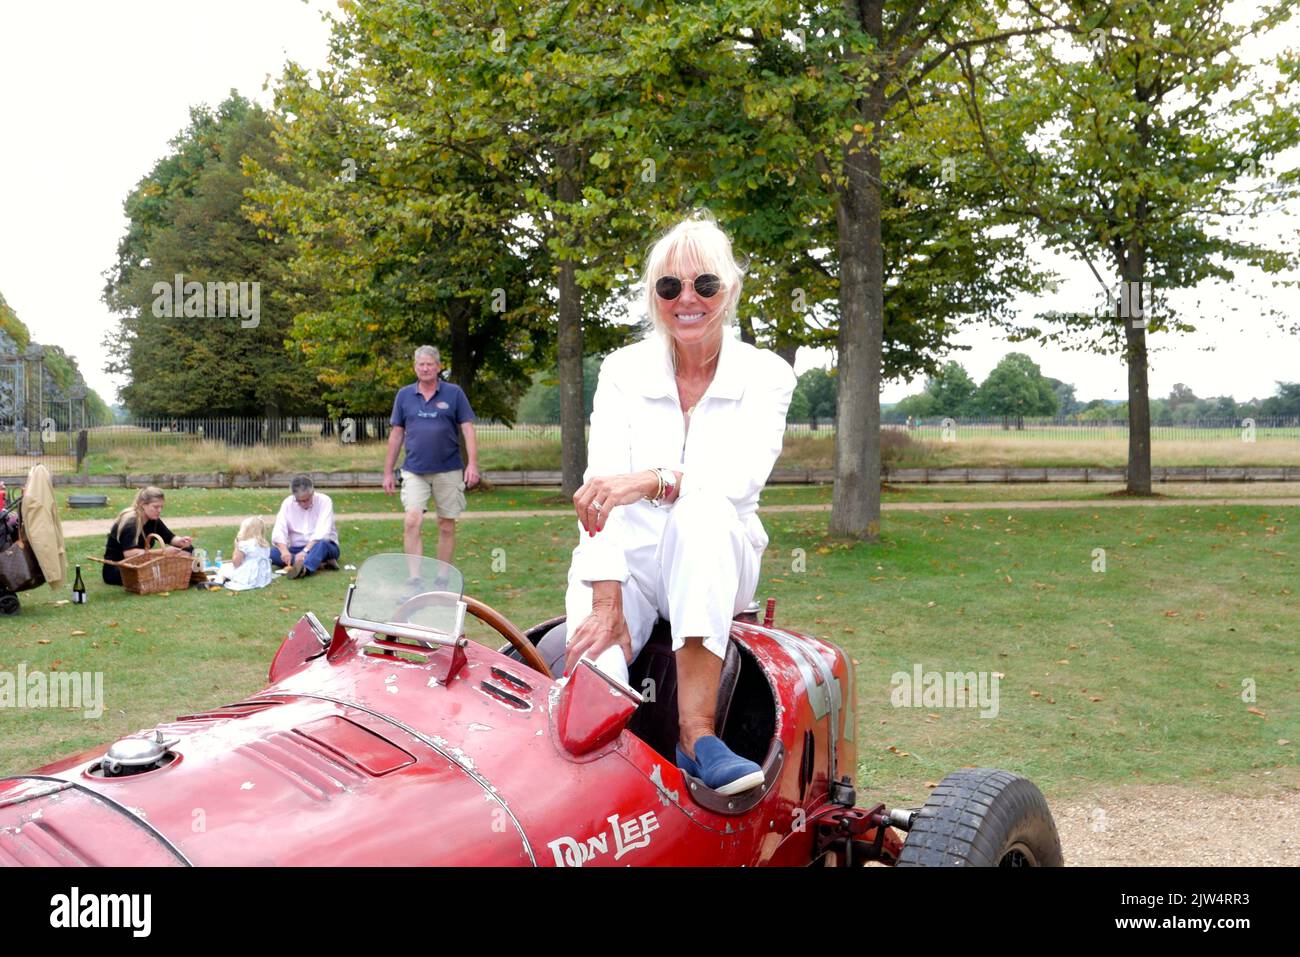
<point>953,390</point>
<point>814,397</point>
<point>856,84</point>
<point>1285,403</point>
<point>486,202</point>
<point>13,327</point>
<point>1099,410</point>
<point>541,403</point>
<point>1014,389</point>
<point>1066,403</point>
<point>1223,408</point>
<point>185,219</point>
<point>920,406</point>
<point>1152,138</point>
<point>1181,395</point>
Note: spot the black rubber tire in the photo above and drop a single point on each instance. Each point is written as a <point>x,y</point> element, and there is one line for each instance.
<point>983,817</point>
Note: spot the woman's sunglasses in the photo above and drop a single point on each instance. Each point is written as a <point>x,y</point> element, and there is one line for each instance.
<point>706,286</point>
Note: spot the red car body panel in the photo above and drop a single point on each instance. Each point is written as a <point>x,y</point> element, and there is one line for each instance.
<point>364,756</point>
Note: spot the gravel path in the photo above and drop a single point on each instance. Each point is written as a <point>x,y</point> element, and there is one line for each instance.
<point>1180,826</point>
<point>100,526</point>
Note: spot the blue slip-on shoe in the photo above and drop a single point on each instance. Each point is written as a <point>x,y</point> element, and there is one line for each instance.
<point>719,767</point>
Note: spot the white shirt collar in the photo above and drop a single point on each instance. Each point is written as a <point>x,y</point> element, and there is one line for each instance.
<point>655,378</point>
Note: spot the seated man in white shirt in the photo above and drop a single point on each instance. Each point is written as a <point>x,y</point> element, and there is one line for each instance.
<point>304,537</point>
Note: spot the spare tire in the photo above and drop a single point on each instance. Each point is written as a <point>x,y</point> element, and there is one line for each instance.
<point>983,817</point>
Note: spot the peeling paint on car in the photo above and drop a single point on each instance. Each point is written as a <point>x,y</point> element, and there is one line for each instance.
<point>666,796</point>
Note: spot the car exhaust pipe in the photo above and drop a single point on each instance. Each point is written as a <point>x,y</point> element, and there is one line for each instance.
<point>902,817</point>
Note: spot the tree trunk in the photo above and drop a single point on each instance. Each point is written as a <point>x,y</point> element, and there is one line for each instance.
<point>746,330</point>
<point>573,431</point>
<point>1139,407</point>
<point>464,360</point>
<point>272,422</point>
<point>787,351</point>
<point>855,508</point>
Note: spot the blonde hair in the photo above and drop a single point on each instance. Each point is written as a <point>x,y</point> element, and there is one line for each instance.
<point>146,496</point>
<point>252,527</point>
<point>698,243</point>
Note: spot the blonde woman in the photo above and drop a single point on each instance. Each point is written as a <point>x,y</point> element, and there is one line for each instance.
<point>250,566</point>
<point>129,534</point>
<point>686,427</point>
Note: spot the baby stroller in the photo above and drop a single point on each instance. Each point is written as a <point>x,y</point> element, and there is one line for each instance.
<point>19,570</point>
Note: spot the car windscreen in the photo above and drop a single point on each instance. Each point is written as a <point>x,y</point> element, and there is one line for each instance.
<point>408,589</point>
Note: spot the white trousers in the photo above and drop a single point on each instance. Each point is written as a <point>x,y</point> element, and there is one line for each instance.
<point>702,571</point>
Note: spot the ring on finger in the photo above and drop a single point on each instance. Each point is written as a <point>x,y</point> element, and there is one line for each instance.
<point>597,506</point>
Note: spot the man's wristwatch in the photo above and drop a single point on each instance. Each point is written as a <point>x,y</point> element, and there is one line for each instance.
<point>667,484</point>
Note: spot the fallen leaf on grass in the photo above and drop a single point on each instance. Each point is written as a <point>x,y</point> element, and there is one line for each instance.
<point>1062,661</point>
<point>62,601</point>
<point>1283,741</point>
<point>1171,614</point>
<point>77,633</point>
<point>935,716</point>
<point>111,624</point>
<point>139,631</point>
<point>1094,698</point>
<point>1035,694</point>
<point>932,784</point>
<point>42,641</point>
<point>1253,710</point>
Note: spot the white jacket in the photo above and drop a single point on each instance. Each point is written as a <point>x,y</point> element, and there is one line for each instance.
<point>734,440</point>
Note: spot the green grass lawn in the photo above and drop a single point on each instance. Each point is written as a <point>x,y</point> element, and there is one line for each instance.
<point>528,450</point>
<point>1193,602</point>
<point>242,502</point>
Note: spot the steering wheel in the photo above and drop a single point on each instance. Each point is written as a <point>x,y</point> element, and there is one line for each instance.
<point>484,613</point>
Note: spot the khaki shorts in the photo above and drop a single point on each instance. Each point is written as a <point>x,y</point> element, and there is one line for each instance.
<point>447,489</point>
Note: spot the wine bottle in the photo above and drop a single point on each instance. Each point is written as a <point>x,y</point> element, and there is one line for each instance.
<point>78,589</point>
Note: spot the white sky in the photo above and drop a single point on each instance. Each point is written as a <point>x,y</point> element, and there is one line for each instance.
<point>93,91</point>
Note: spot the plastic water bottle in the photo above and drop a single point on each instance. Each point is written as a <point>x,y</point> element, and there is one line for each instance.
<point>218,559</point>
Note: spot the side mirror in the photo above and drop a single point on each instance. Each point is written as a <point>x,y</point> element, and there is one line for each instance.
<point>592,709</point>
<point>307,640</point>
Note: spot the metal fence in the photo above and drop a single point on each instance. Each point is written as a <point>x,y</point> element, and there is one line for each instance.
<point>1074,429</point>
<point>302,430</point>
<point>22,448</point>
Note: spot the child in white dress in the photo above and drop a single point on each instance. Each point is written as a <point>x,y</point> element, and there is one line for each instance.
<point>251,565</point>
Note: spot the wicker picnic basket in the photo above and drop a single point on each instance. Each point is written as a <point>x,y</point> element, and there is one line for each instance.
<point>153,572</point>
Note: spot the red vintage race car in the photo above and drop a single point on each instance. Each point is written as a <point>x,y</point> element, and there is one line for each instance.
<point>392,740</point>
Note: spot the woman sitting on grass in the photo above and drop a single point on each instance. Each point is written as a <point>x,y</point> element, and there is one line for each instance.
<point>251,564</point>
<point>130,532</point>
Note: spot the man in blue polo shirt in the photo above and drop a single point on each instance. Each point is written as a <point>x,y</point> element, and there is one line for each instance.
<point>426,415</point>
